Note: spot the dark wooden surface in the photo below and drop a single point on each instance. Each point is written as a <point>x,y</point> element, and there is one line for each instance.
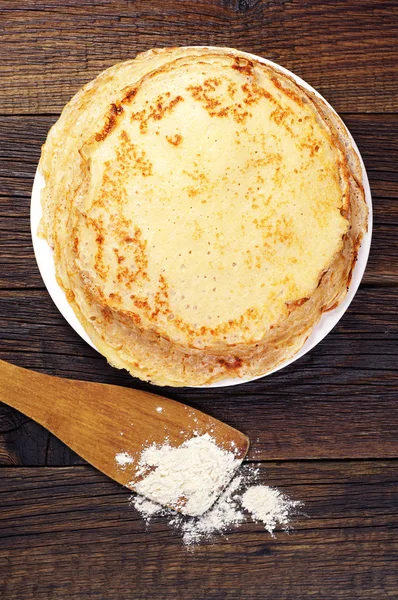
<point>325,429</point>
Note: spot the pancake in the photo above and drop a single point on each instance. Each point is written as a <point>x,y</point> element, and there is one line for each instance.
<point>204,211</point>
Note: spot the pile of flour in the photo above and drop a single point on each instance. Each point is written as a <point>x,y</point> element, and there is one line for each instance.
<point>191,477</point>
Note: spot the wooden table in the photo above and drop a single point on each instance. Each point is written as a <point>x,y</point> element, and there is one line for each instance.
<point>324,429</point>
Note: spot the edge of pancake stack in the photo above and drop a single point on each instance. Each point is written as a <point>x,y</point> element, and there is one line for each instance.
<point>204,211</point>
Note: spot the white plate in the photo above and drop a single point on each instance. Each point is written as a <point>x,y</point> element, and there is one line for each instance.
<point>45,261</point>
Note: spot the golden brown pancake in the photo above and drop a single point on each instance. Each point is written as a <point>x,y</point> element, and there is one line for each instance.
<point>204,211</point>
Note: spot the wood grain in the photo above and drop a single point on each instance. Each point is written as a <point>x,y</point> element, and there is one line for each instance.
<point>338,401</point>
<point>349,53</point>
<point>71,533</point>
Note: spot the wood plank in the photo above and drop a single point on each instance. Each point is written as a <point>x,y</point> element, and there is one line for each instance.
<point>22,137</point>
<point>57,47</point>
<point>71,533</point>
<point>338,401</point>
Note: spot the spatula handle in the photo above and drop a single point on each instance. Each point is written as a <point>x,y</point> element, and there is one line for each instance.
<point>53,402</point>
<point>27,391</point>
<point>77,412</point>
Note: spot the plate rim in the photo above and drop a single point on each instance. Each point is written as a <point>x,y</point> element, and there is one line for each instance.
<point>44,255</point>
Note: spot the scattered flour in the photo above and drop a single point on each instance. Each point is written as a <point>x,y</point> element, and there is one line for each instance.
<point>190,479</point>
<point>146,507</point>
<point>224,513</point>
<point>268,505</point>
<point>123,459</point>
<point>243,498</point>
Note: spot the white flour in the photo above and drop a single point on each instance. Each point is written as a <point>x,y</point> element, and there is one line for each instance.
<point>123,459</point>
<point>191,477</point>
<point>268,505</point>
<point>146,507</point>
<point>222,514</point>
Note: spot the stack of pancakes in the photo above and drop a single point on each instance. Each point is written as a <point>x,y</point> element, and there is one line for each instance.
<point>204,210</point>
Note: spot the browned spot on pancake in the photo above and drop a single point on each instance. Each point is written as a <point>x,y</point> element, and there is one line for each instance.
<point>309,144</point>
<point>109,189</point>
<point>101,268</point>
<point>120,258</point>
<point>279,115</point>
<point>239,114</point>
<point>243,65</point>
<point>110,122</point>
<point>314,149</point>
<point>137,245</point>
<point>192,191</point>
<point>277,176</point>
<point>130,95</point>
<point>201,94</point>
<point>197,175</point>
<point>253,94</point>
<point>161,299</point>
<point>70,295</point>
<point>107,314</point>
<point>349,276</point>
<point>136,318</point>
<point>288,91</point>
<point>250,96</point>
<point>296,303</point>
<point>232,89</point>
<point>130,157</point>
<point>211,84</point>
<point>140,302</point>
<point>284,231</point>
<point>95,224</point>
<point>232,363</point>
<point>248,259</point>
<point>198,231</point>
<point>125,275</point>
<point>155,112</point>
<point>128,317</point>
<point>174,140</point>
<point>215,104</point>
<point>99,265</point>
<point>76,245</point>
<point>281,231</point>
<point>267,159</point>
<point>344,211</point>
<point>115,296</point>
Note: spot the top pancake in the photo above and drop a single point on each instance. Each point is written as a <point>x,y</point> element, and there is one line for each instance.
<point>204,210</point>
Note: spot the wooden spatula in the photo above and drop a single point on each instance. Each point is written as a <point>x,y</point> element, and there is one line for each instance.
<point>99,421</point>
